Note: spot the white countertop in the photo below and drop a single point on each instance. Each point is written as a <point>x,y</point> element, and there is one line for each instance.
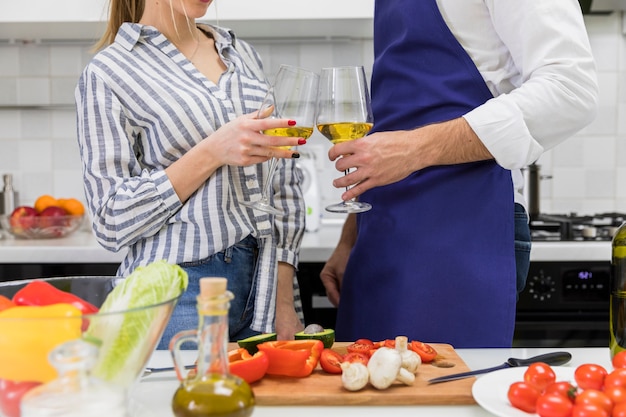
<point>153,395</point>
<point>81,247</point>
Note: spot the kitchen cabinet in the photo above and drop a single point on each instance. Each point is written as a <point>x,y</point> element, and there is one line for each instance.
<point>85,19</point>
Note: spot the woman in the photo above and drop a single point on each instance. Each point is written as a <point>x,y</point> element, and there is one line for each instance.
<point>170,145</point>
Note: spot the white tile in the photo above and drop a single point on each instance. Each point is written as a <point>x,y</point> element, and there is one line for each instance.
<point>316,55</point>
<point>347,53</point>
<point>10,124</point>
<point>66,156</point>
<point>620,183</point>
<point>62,90</point>
<point>33,91</point>
<point>8,91</point>
<point>63,124</point>
<point>569,153</point>
<point>35,124</point>
<point>66,61</point>
<point>68,184</point>
<point>35,156</point>
<point>9,61</point>
<point>35,184</point>
<point>34,61</point>
<point>8,156</point>
<point>599,152</point>
<point>599,184</point>
<point>567,182</point>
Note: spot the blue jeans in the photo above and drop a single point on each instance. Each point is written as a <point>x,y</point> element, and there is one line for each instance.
<point>522,246</point>
<point>237,264</point>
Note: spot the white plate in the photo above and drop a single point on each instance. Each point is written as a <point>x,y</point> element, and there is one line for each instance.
<point>490,391</point>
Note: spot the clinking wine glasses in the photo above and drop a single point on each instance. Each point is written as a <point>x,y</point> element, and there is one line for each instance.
<point>345,113</point>
<point>293,96</point>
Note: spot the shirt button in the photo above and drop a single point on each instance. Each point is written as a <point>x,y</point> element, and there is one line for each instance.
<point>251,183</point>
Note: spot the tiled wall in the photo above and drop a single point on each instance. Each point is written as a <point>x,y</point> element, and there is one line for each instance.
<point>37,143</point>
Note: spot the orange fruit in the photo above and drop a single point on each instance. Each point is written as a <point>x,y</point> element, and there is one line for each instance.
<point>44,202</point>
<point>72,206</point>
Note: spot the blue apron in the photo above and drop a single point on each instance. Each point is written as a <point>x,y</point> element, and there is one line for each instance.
<point>434,259</point>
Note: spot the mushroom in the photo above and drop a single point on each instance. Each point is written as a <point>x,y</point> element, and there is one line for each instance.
<point>410,360</point>
<point>385,367</point>
<point>354,375</point>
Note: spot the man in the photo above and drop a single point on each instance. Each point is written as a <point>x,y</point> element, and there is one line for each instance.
<point>464,95</point>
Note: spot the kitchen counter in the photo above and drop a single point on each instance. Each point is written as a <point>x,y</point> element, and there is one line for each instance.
<point>81,247</point>
<point>152,396</point>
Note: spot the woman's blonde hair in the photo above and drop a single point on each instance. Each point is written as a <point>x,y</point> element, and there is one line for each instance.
<point>120,11</point>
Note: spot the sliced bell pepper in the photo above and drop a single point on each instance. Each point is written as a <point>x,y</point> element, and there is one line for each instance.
<point>29,333</point>
<point>42,293</point>
<point>297,358</point>
<point>248,367</point>
<point>5,303</point>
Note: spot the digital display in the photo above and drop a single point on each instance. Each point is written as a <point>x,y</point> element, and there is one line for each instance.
<point>585,274</point>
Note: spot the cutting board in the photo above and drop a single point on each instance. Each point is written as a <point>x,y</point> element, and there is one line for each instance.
<point>321,388</point>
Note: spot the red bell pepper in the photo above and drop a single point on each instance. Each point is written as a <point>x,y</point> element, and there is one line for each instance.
<point>5,303</point>
<point>248,367</point>
<point>42,293</point>
<point>295,358</point>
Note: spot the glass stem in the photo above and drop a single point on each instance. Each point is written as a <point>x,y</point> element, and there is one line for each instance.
<point>268,181</point>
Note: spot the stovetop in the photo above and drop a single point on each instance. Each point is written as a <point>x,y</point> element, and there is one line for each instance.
<point>573,227</point>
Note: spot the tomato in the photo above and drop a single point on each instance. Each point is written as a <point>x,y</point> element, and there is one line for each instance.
<point>564,388</point>
<point>357,347</point>
<point>619,360</point>
<point>590,375</point>
<point>11,394</point>
<point>539,375</point>
<point>616,378</point>
<point>617,394</point>
<point>595,397</point>
<point>553,405</point>
<point>523,396</point>
<point>365,342</point>
<point>426,352</point>
<point>356,357</point>
<point>588,410</point>
<point>390,343</point>
<point>619,410</point>
<point>330,361</point>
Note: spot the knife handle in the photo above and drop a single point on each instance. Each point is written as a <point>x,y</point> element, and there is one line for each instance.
<point>552,358</point>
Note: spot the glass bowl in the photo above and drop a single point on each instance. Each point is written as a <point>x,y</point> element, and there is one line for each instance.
<point>41,227</point>
<point>125,339</point>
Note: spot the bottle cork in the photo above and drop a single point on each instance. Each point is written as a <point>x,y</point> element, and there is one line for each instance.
<point>212,286</point>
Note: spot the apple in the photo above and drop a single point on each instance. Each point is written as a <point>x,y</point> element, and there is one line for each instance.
<point>22,219</point>
<point>52,216</point>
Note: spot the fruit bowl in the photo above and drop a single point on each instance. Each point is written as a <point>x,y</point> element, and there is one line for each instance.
<point>125,338</point>
<point>41,227</point>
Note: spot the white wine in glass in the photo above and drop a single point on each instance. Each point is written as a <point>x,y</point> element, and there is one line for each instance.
<point>344,114</point>
<point>293,96</point>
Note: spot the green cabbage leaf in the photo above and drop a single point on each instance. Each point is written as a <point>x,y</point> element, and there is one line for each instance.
<point>132,318</point>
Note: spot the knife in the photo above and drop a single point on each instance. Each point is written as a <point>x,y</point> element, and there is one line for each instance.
<point>553,358</point>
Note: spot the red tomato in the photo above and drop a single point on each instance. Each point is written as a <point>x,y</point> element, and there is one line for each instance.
<point>553,405</point>
<point>11,394</point>
<point>619,360</point>
<point>617,394</point>
<point>616,378</point>
<point>365,342</point>
<point>356,357</point>
<point>523,396</point>
<point>619,410</point>
<point>595,397</point>
<point>589,376</point>
<point>563,388</point>
<point>357,347</point>
<point>330,361</point>
<point>390,343</point>
<point>588,410</point>
<point>426,352</point>
<point>540,375</point>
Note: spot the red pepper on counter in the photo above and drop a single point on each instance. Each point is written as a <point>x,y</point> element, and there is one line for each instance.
<point>5,303</point>
<point>42,293</point>
<point>248,367</point>
<point>295,358</point>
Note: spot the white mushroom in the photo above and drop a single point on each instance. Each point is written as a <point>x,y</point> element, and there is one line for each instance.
<point>410,360</point>
<point>354,375</point>
<point>385,367</point>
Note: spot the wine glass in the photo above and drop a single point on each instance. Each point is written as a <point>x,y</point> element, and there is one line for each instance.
<point>344,113</point>
<point>293,96</point>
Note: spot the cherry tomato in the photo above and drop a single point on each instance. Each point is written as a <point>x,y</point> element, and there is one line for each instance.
<point>523,396</point>
<point>553,405</point>
<point>540,375</point>
<point>564,388</point>
<point>616,378</point>
<point>356,357</point>
<point>617,394</point>
<point>619,360</point>
<point>11,394</point>
<point>590,376</point>
<point>595,397</point>
<point>330,361</point>
<point>619,410</point>
<point>426,352</point>
<point>588,410</point>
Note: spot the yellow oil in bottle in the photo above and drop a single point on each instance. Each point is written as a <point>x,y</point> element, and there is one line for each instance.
<point>212,390</point>
<point>617,323</point>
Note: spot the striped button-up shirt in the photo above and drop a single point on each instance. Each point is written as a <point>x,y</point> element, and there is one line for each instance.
<point>141,104</point>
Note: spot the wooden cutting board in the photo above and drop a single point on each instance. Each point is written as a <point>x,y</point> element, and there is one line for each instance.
<point>321,388</point>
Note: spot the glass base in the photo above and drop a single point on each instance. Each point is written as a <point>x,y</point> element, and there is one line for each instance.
<point>349,207</point>
<point>261,205</point>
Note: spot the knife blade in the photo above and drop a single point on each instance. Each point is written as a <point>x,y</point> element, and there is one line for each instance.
<point>553,359</point>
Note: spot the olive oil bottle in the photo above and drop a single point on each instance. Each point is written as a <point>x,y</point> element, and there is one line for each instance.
<point>211,390</point>
<point>617,342</point>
